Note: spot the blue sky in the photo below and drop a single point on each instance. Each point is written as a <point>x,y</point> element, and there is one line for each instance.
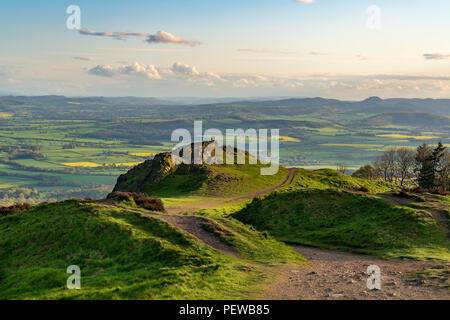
<point>245,48</point>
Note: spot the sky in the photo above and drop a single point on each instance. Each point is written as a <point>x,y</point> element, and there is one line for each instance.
<point>235,48</point>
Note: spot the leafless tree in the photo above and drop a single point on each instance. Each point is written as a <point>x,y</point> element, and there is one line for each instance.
<point>341,167</point>
<point>386,164</point>
<point>404,164</point>
<point>444,171</point>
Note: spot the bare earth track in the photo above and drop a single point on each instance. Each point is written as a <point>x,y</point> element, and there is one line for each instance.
<point>336,276</point>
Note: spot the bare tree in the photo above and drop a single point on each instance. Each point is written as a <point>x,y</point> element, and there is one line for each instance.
<point>444,171</point>
<point>341,167</point>
<point>386,164</point>
<point>404,164</point>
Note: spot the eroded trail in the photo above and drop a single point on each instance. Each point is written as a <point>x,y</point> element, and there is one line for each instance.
<point>193,225</point>
<point>336,275</point>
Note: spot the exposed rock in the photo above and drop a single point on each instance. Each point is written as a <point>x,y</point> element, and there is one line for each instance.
<point>152,172</point>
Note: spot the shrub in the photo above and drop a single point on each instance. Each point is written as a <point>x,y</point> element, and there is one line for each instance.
<point>435,190</point>
<point>4,211</point>
<point>141,199</point>
<point>153,204</point>
<point>120,196</point>
<point>361,189</point>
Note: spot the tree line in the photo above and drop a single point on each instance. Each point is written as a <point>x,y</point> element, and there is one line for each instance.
<point>426,167</point>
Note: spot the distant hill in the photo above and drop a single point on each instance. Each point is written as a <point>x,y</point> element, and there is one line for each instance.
<point>113,107</point>
<point>408,119</point>
<point>64,101</point>
<point>370,105</point>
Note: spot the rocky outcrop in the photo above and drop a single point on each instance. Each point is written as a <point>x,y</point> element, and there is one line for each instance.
<point>152,172</point>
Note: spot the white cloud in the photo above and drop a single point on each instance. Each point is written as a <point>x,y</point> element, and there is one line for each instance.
<point>83,58</point>
<point>178,71</point>
<point>160,37</point>
<point>137,69</point>
<point>167,37</point>
<point>184,69</point>
<point>306,1</point>
<point>436,56</point>
<point>317,53</point>
<point>102,70</point>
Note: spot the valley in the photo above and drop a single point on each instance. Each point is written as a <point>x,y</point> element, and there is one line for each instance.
<point>50,152</point>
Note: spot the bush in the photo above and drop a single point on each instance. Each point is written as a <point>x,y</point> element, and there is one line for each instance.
<point>153,204</point>
<point>362,189</point>
<point>436,190</point>
<point>141,199</point>
<point>120,196</point>
<point>4,211</point>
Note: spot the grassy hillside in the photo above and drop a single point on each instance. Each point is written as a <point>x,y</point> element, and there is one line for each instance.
<point>125,255</point>
<point>163,178</point>
<point>331,179</point>
<point>315,211</point>
<point>219,180</point>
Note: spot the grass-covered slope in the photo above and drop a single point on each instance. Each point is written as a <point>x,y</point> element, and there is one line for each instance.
<point>331,179</point>
<point>163,178</point>
<point>316,211</point>
<point>216,181</point>
<point>122,255</point>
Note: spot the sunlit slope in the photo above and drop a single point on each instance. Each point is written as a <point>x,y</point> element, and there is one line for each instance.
<point>331,179</point>
<point>325,209</point>
<point>125,255</point>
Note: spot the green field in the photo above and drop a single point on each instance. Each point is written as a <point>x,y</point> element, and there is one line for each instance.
<point>59,150</point>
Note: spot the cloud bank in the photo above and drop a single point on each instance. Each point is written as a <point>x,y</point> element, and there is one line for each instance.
<point>350,86</point>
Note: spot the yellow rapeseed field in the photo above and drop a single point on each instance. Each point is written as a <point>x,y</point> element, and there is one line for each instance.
<point>95,165</point>
<point>353,145</point>
<point>402,136</point>
<point>81,164</point>
<point>142,154</point>
<point>126,164</point>
<point>288,139</point>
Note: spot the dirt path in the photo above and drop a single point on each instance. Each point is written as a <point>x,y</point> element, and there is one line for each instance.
<point>190,208</point>
<point>342,276</point>
<point>192,225</point>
